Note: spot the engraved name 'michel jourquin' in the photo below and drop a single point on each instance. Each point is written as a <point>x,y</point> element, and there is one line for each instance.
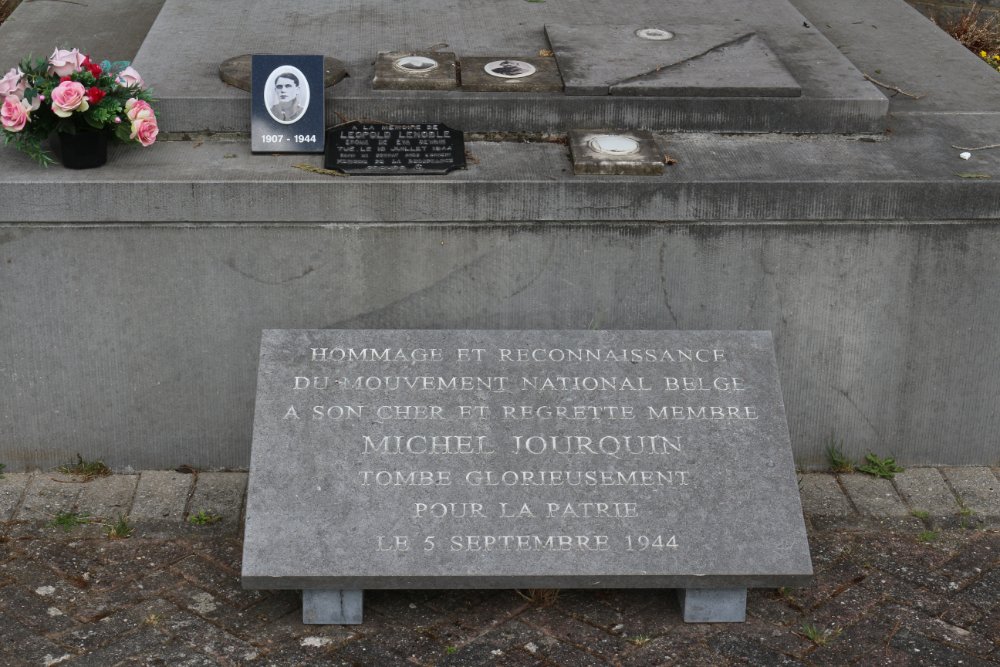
<point>415,456</point>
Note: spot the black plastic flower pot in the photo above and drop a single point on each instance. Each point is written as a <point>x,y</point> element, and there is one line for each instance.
<point>84,150</point>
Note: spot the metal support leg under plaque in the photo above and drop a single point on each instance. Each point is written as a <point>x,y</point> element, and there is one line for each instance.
<point>332,607</point>
<point>713,605</point>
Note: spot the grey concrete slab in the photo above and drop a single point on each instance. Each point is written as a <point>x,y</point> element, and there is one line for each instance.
<point>594,57</point>
<point>685,480</point>
<point>926,491</point>
<point>112,29</point>
<point>912,176</point>
<point>158,309</point>
<point>192,98</point>
<point>12,486</point>
<point>877,499</point>
<point>824,502</point>
<point>744,68</point>
<point>108,497</point>
<point>978,489</point>
<point>220,494</point>
<point>161,496</point>
<point>705,59</point>
<point>894,43</point>
<point>49,494</point>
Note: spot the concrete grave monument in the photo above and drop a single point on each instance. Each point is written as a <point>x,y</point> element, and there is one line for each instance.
<point>509,459</point>
<point>134,295</point>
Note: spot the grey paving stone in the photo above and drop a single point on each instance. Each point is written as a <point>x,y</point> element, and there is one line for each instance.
<point>107,497</point>
<point>926,490</point>
<point>824,502</point>
<point>221,494</point>
<point>877,499</point>
<point>161,495</point>
<point>978,489</point>
<point>22,646</point>
<point>12,487</point>
<point>47,495</point>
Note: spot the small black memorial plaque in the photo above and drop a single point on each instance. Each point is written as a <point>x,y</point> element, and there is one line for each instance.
<point>287,108</point>
<point>380,149</point>
<point>510,459</point>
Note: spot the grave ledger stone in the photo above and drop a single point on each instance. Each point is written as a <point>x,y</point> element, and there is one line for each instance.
<point>506,459</point>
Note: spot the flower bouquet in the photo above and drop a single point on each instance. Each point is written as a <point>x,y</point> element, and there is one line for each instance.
<point>77,98</point>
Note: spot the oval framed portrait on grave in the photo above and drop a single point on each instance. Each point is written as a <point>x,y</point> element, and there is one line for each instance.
<point>286,94</point>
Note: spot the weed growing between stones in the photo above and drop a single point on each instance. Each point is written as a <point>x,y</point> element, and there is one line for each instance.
<point>923,515</point>
<point>817,636</point>
<point>877,466</point>
<point>70,520</point>
<point>967,518</point>
<point>120,529</point>
<point>88,470</point>
<point>204,518</point>
<point>835,455</point>
<point>927,536</point>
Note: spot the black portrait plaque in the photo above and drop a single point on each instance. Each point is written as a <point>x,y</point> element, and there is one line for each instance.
<point>382,149</point>
<point>287,114</point>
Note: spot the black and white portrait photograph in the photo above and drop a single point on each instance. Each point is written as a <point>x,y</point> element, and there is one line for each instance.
<point>287,111</point>
<point>286,94</point>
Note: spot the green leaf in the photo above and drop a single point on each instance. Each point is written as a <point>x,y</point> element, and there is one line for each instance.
<point>969,174</point>
<point>122,132</point>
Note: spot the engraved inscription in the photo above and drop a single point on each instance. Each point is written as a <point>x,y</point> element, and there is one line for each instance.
<point>517,431</point>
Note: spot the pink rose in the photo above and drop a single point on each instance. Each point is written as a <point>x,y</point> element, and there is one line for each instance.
<point>13,83</point>
<point>64,63</point>
<point>13,114</point>
<point>128,77</point>
<point>145,131</point>
<point>137,109</point>
<point>67,97</point>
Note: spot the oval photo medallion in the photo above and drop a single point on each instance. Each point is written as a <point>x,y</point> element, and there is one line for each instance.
<point>415,64</point>
<point>613,144</point>
<point>509,69</point>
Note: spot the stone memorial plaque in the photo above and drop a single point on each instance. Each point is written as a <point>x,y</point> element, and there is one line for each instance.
<point>498,74</point>
<point>380,149</point>
<point>504,459</point>
<point>287,105</point>
<point>415,70</point>
<point>600,152</point>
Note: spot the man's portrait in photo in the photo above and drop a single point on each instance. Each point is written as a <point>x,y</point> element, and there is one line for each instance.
<point>286,94</point>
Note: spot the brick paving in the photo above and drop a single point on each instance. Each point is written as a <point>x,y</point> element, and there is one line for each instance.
<point>907,573</point>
